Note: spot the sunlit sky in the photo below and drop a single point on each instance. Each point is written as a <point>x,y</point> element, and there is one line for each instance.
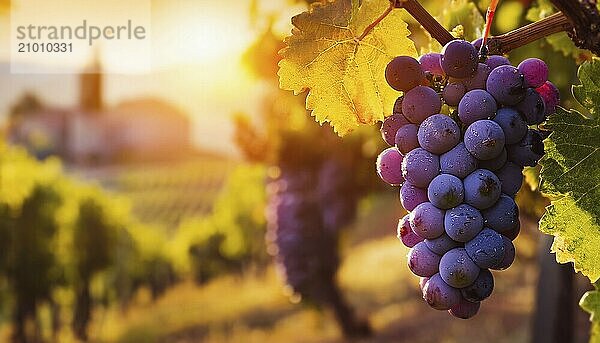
<point>197,46</point>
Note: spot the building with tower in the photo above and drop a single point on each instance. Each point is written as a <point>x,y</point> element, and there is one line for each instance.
<point>92,133</point>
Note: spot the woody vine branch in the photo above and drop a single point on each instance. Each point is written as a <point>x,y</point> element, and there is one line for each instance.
<point>579,18</point>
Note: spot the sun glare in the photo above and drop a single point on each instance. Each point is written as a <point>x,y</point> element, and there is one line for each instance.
<point>205,34</point>
<point>215,39</point>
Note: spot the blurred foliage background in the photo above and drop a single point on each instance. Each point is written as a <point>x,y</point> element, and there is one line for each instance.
<point>175,251</point>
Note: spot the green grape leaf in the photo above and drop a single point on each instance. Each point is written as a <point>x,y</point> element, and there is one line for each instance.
<point>588,92</point>
<point>345,76</point>
<point>570,176</point>
<point>590,302</point>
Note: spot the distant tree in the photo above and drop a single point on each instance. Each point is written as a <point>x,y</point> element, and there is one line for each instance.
<point>28,256</point>
<point>94,241</point>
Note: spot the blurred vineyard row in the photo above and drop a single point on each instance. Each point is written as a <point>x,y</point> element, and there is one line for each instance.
<point>166,194</point>
<point>69,246</point>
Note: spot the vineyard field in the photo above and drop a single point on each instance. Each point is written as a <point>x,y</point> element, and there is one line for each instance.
<point>165,194</point>
<point>254,308</point>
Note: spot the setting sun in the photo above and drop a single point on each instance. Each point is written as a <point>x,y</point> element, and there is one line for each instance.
<point>214,39</point>
<point>205,34</point>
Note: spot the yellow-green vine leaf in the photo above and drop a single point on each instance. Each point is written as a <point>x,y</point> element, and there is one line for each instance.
<point>571,177</point>
<point>345,76</point>
<point>576,235</point>
<point>590,302</point>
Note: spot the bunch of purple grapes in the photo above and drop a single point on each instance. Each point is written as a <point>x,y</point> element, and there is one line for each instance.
<point>308,205</point>
<point>461,134</point>
<point>305,252</point>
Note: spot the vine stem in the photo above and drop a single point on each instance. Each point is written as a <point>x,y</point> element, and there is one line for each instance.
<point>502,44</point>
<point>376,22</point>
<point>585,18</point>
<point>579,18</point>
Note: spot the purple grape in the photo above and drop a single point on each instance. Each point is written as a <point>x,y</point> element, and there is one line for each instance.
<point>484,139</point>
<point>403,73</point>
<point>431,62</point>
<point>495,163</point>
<point>422,261</point>
<point>550,95</point>
<point>442,244</point>
<point>482,189</point>
<point>535,72</point>
<point>476,105</point>
<point>528,151</point>
<point>486,249</point>
<point>465,309</point>
<point>458,162</point>
<point>514,233</point>
<point>427,221</point>
<point>463,222</point>
<point>406,235</point>
<point>445,191</point>
<point>411,196</point>
<point>406,138</point>
<point>505,84</point>
<point>439,295</point>
<point>481,289</point>
<point>453,92</point>
<point>457,269</point>
<point>495,61</point>
<point>532,107</point>
<point>390,126</point>
<point>420,166</point>
<point>478,81</point>
<point>512,124</point>
<point>511,178</point>
<point>389,166</point>
<point>503,216</point>
<point>477,43</point>
<point>459,59</point>
<point>509,255</point>
<point>420,103</point>
<point>438,134</point>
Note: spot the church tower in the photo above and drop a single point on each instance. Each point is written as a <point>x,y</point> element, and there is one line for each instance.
<point>90,86</point>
